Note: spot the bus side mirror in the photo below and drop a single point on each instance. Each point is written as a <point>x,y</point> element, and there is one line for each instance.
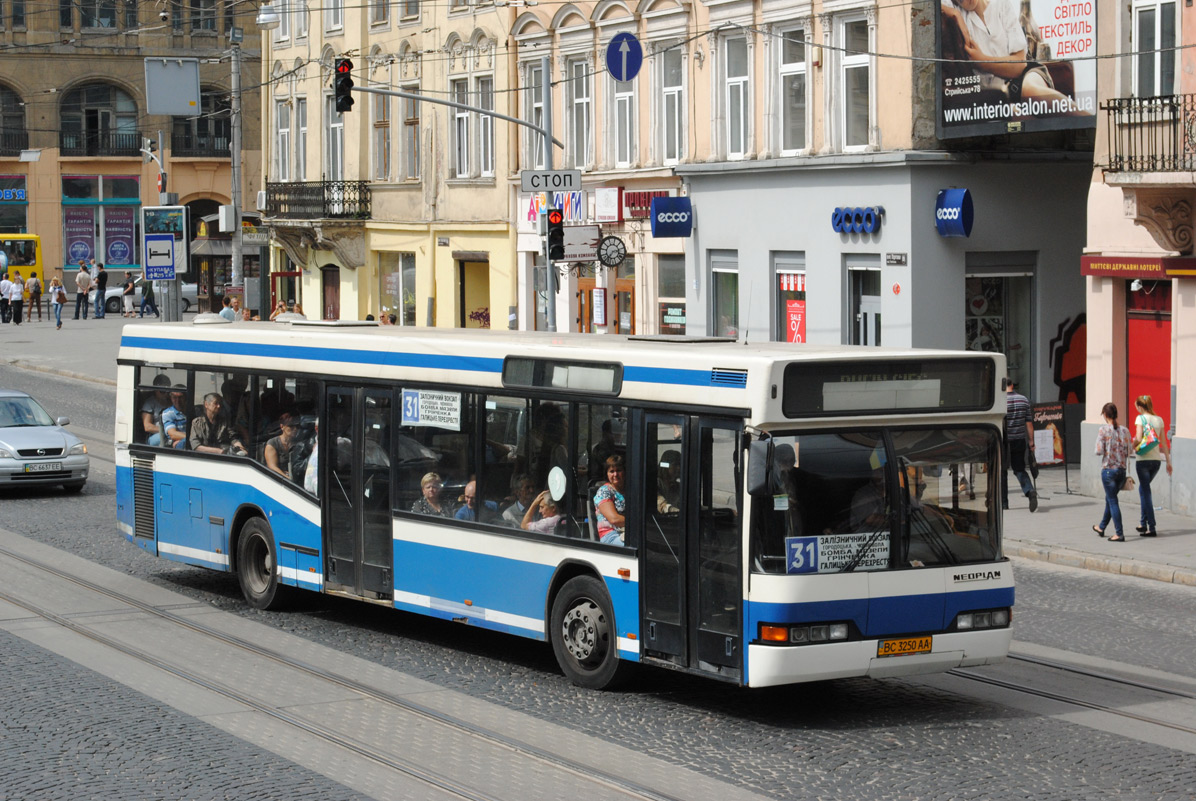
<point>759,468</point>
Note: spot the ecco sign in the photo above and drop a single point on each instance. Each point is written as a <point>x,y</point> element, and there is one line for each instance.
<point>857,220</point>
<point>672,217</point>
<point>953,212</point>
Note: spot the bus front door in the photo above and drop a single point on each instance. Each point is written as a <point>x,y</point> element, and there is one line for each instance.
<point>692,593</point>
<point>357,491</point>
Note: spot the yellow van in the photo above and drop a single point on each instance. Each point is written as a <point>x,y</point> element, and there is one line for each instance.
<point>24,254</point>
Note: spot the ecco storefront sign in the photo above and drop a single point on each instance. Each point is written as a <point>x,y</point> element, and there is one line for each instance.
<point>672,217</point>
<point>953,212</point>
<point>858,220</point>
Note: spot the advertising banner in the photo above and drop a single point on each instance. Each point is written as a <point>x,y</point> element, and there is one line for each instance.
<point>1025,65</point>
<point>119,233</point>
<point>1048,432</point>
<point>795,312</point>
<point>79,232</point>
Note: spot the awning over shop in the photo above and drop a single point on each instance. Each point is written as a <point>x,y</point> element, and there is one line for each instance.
<point>211,247</point>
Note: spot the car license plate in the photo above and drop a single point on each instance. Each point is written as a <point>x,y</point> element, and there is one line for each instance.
<point>904,646</point>
<point>43,467</point>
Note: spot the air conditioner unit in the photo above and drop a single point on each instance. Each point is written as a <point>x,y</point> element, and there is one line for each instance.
<point>261,200</point>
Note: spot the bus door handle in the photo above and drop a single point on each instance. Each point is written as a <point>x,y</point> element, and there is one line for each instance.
<point>652,631</point>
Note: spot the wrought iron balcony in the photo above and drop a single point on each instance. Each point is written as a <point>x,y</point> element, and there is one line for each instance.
<point>99,143</point>
<point>191,145</point>
<point>13,142</point>
<point>315,200</point>
<point>1151,134</point>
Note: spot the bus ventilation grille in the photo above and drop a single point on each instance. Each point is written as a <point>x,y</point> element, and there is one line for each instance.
<point>143,497</point>
<point>722,377</point>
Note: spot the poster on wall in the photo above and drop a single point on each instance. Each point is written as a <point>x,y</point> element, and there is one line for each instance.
<point>79,232</point>
<point>1025,65</point>
<point>795,311</point>
<point>1048,432</point>
<point>119,233</point>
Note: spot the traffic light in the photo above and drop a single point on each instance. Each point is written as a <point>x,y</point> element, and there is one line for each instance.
<point>556,235</point>
<point>342,84</point>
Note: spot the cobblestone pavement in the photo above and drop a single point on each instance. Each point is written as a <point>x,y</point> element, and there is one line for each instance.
<point>846,739</point>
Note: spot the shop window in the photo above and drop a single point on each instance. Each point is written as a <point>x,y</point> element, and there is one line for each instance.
<point>724,282</point>
<point>791,297</point>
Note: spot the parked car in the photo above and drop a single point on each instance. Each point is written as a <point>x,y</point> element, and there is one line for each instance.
<point>112,301</point>
<point>35,449</point>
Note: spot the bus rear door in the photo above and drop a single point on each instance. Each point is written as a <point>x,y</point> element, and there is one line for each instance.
<point>692,591</point>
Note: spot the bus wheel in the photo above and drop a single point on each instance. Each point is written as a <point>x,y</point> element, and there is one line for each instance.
<point>257,561</point>
<point>583,635</point>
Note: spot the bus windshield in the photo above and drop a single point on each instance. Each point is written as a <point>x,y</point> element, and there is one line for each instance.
<point>20,252</point>
<point>846,501</point>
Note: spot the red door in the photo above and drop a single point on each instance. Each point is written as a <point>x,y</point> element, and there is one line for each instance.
<point>1148,349</point>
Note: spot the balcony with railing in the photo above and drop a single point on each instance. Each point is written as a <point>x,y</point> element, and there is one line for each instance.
<point>1151,134</point>
<point>316,200</point>
<point>100,143</point>
<point>13,142</point>
<point>191,145</point>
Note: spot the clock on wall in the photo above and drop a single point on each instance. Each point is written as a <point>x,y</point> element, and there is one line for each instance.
<point>611,251</point>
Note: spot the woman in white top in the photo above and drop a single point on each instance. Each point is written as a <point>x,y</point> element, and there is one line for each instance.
<point>1149,461</point>
<point>57,298</point>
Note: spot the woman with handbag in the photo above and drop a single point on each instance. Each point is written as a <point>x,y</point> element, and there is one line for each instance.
<point>1150,443</point>
<point>57,299</point>
<point>1113,448</point>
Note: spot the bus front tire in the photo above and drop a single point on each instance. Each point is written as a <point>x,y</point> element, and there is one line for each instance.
<point>257,562</point>
<point>584,638</point>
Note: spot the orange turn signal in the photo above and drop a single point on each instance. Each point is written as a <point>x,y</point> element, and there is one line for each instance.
<point>624,572</point>
<point>774,633</point>
<point>468,602</point>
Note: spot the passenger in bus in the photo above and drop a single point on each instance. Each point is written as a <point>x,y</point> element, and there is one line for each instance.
<point>174,419</point>
<point>278,449</point>
<point>211,433</point>
<point>609,503</point>
<point>431,504</point>
<point>548,439</point>
<point>546,507</point>
<point>525,492</point>
<point>604,448</point>
<point>311,471</point>
<point>152,408</point>
<point>469,510</point>
<point>668,483</point>
<point>869,508</point>
<point>784,488</point>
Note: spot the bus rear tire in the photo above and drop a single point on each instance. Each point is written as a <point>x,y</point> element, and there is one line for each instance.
<point>584,637</point>
<point>257,563</point>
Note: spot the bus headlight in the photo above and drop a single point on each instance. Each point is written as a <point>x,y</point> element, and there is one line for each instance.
<point>989,619</point>
<point>800,635</point>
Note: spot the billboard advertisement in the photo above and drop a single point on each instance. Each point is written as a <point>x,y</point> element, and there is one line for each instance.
<point>1007,66</point>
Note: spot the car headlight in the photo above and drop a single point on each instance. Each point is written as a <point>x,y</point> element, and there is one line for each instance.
<point>78,450</point>
<point>5,454</point>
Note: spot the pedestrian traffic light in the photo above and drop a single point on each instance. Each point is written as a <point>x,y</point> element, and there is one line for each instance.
<point>342,84</point>
<point>556,235</point>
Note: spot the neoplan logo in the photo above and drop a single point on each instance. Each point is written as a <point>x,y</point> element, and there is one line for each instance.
<point>980,575</point>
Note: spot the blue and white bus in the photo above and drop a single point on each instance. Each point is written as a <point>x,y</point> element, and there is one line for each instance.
<point>783,515</point>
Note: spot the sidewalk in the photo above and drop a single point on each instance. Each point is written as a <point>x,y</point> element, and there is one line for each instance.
<point>1059,532</point>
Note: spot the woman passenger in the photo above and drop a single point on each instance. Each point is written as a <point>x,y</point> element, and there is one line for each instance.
<point>610,503</point>
<point>278,449</point>
<point>431,503</point>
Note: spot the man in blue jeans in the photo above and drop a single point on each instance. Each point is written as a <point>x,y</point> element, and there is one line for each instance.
<point>101,289</point>
<point>1019,434</point>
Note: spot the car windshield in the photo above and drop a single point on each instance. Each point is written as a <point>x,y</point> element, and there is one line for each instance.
<point>879,500</point>
<point>19,412</point>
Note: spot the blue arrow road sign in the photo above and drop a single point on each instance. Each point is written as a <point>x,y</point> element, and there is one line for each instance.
<point>624,56</point>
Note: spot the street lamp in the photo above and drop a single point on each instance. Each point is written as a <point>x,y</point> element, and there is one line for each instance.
<point>267,18</point>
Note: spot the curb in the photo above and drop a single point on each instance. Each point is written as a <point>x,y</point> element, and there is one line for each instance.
<point>1086,561</point>
<point>40,368</point>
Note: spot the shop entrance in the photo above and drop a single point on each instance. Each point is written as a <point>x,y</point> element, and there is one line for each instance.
<point>998,320</point>
<point>330,276</point>
<point>619,316</point>
<point>1148,347</point>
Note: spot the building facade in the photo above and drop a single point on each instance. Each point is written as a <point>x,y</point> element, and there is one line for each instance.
<point>1139,265</point>
<point>73,120</point>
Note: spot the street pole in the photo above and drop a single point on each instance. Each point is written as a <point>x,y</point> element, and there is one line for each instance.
<point>550,305</point>
<point>235,147</point>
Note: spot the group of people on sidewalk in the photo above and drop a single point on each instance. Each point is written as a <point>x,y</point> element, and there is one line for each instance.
<point>1114,444</point>
<point>12,297</point>
<point>92,275</point>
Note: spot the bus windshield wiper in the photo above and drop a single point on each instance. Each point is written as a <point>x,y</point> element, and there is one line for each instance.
<point>859,555</point>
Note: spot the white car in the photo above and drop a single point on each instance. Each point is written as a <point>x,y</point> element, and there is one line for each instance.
<point>35,449</point>
<point>112,301</point>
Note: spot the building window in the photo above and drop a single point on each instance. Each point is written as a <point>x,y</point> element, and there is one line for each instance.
<point>855,81</point>
<point>207,134</point>
<point>580,107</point>
<point>334,15</point>
<point>299,11</point>
<point>411,135</point>
<point>724,293</point>
<point>283,33</point>
<point>99,119</point>
<point>672,104</point>
<point>624,117</point>
<point>792,85</point>
<point>670,292</point>
<point>410,8</point>
<point>98,13</point>
<point>18,15</point>
<point>334,141</point>
<point>13,212</point>
<point>203,15</point>
<point>13,137</point>
<point>396,286</point>
<point>485,100</point>
<point>381,105</point>
<point>863,313</point>
<point>66,14</point>
<point>1154,38</point>
<point>300,138</point>
<point>282,140</point>
<point>100,219</point>
<point>379,11</point>
<point>738,95</point>
<point>460,94</point>
<point>534,105</point>
<point>790,270</point>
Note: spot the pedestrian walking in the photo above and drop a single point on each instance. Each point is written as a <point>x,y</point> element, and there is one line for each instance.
<point>1150,445</point>
<point>147,297</point>
<point>128,290</point>
<point>57,294</point>
<point>1113,448</point>
<point>82,287</point>
<point>5,288</point>
<point>1019,436</point>
<point>16,298</point>
<point>101,284</point>
<point>34,287</point>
